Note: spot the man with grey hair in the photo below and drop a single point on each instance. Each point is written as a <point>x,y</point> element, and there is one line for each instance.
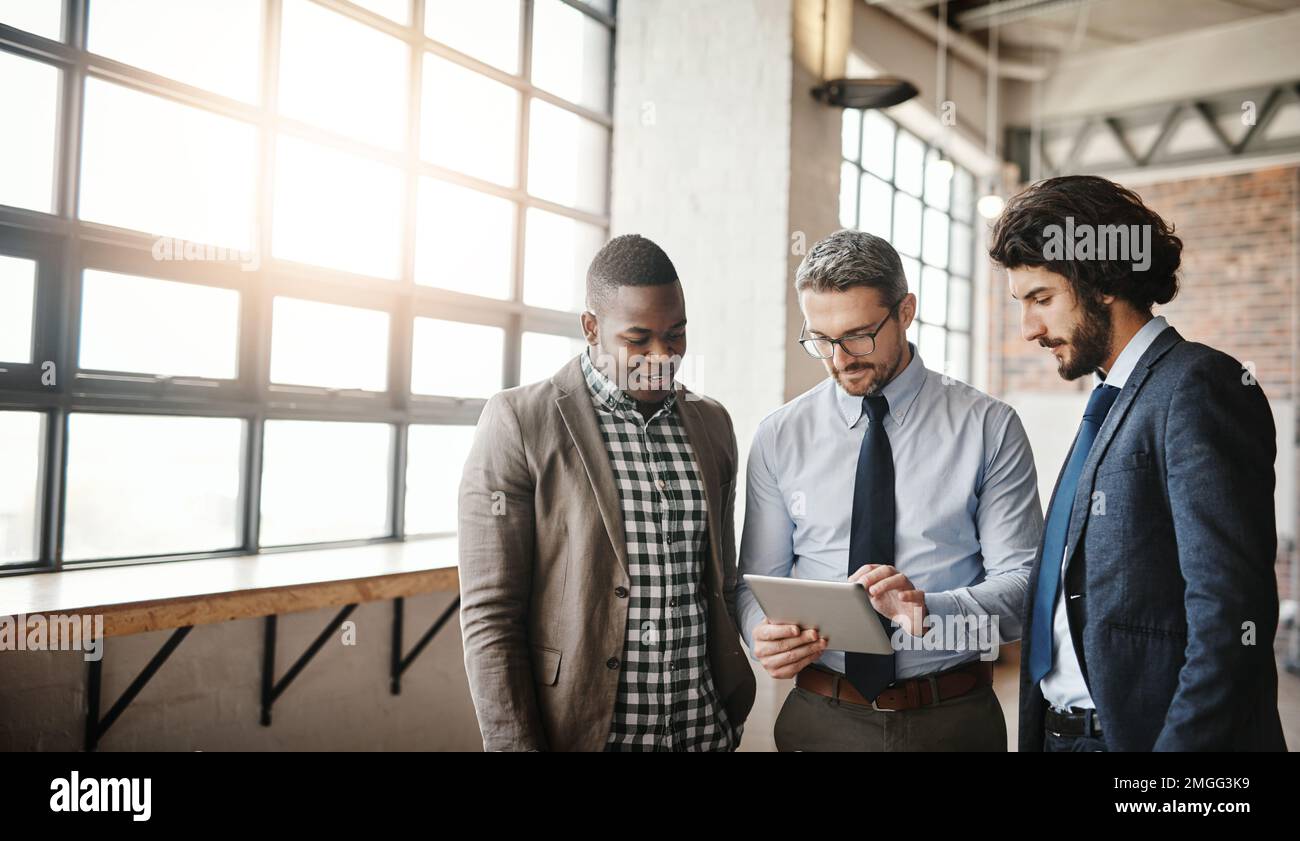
<point>918,487</point>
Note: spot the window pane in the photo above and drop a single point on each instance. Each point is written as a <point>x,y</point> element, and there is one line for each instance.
<point>959,304</point>
<point>398,10</point>
<point>960,257</point>
<point>211,44</point>
<point>40,17</point>
<point>29,99</point>
<point>17,298</point>
<point>848,195</point>
<point>328,346</point>
<point>464,240</point>
<point>435,456</point>
<point>931,347</point>
<point>938,177</point>
<point>453,359</point>
<point>936,238</point>
<point>334,209</point>
<point>21,434</point>
<point>544,354</point>
<point>963,194</point>
<point>151,485</point>
<point>910,163</point>
<point>934,295</point>
<point>161,327</point>
<point>155,166</point>
<point>324,481</point>
<point>878,144</point>
<point>570,54</point>
<point>485,29</point>
<point>850,133</point>
<point>959,356</point>
<point>875,206</point>
<point>557,252</point>
<point>907,224</point>
<point>468,122</point>
<point>342,75</point>
<point>568,158</point>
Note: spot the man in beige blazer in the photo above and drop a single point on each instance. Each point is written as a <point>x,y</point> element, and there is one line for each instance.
<point>597,545</point>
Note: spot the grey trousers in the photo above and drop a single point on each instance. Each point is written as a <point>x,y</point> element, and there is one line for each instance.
<point>970,722</point>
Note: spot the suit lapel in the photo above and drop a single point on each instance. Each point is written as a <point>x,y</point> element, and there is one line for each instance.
<point>698,433</point>
<point>1088,477</point>
<point>580,419</point>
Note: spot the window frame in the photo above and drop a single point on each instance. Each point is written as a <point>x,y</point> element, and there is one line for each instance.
<point>64,246</point>
<point>860,170</point>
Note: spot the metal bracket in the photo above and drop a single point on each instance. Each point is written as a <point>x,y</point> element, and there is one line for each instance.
<point>399,663</point>
<point>96,727</point>
<point>271,689</point>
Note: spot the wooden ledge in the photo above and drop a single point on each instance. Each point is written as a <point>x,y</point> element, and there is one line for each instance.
<point>151,597</point>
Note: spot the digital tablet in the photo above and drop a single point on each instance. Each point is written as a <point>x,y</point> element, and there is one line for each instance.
<point>839,610</point>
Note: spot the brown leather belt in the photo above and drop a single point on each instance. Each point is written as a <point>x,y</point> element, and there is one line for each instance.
<point>902,695</point>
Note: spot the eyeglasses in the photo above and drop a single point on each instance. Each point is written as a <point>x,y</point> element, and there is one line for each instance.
<point>858,344</point>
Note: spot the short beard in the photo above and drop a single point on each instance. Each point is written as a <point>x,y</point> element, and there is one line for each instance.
<point>1090,341</point>
<point>884,374</point>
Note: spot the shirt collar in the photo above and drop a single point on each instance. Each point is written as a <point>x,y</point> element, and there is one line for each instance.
<point>900,392</point>
<point>608,396</point>
<point>1132,352</point>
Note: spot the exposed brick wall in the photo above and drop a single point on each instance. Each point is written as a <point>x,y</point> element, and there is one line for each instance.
<point>1237,292</point>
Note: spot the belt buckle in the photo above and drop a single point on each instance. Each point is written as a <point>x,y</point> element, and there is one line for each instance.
<point>880,709</point>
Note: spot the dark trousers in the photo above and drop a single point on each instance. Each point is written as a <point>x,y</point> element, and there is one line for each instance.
<point>1069,744</point>
<point>970,722</point>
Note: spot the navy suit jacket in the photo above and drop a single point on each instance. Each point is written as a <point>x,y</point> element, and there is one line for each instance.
<point>1170,562</point>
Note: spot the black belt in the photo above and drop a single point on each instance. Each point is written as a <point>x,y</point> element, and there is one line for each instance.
<point>1074,722</point>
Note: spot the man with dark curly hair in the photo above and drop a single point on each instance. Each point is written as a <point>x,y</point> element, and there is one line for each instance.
<point>1152,605</point>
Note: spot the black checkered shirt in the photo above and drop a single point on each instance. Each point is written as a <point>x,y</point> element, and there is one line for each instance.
<point>666,699</point>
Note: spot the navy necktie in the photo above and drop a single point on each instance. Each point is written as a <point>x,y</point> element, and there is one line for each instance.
<point>1056,531</point>
<point>871,536</point>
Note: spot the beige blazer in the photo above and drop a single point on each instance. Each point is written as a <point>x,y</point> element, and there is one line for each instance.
<point>543,559</point>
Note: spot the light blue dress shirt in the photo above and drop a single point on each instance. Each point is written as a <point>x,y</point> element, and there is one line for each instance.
<point>968,518</point>
<point>1064,686</point>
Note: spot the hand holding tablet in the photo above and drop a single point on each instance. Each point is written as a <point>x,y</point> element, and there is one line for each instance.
<point>836,611</point>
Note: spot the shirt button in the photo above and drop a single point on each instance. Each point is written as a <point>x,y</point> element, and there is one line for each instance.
<point>611,663</point>
<point>660,484</point>
<point>672,602</point>
<point>621,592</point>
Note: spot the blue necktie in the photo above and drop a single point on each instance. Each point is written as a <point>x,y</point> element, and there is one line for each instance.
<point>871,535</point>
<point>1058,527</point>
